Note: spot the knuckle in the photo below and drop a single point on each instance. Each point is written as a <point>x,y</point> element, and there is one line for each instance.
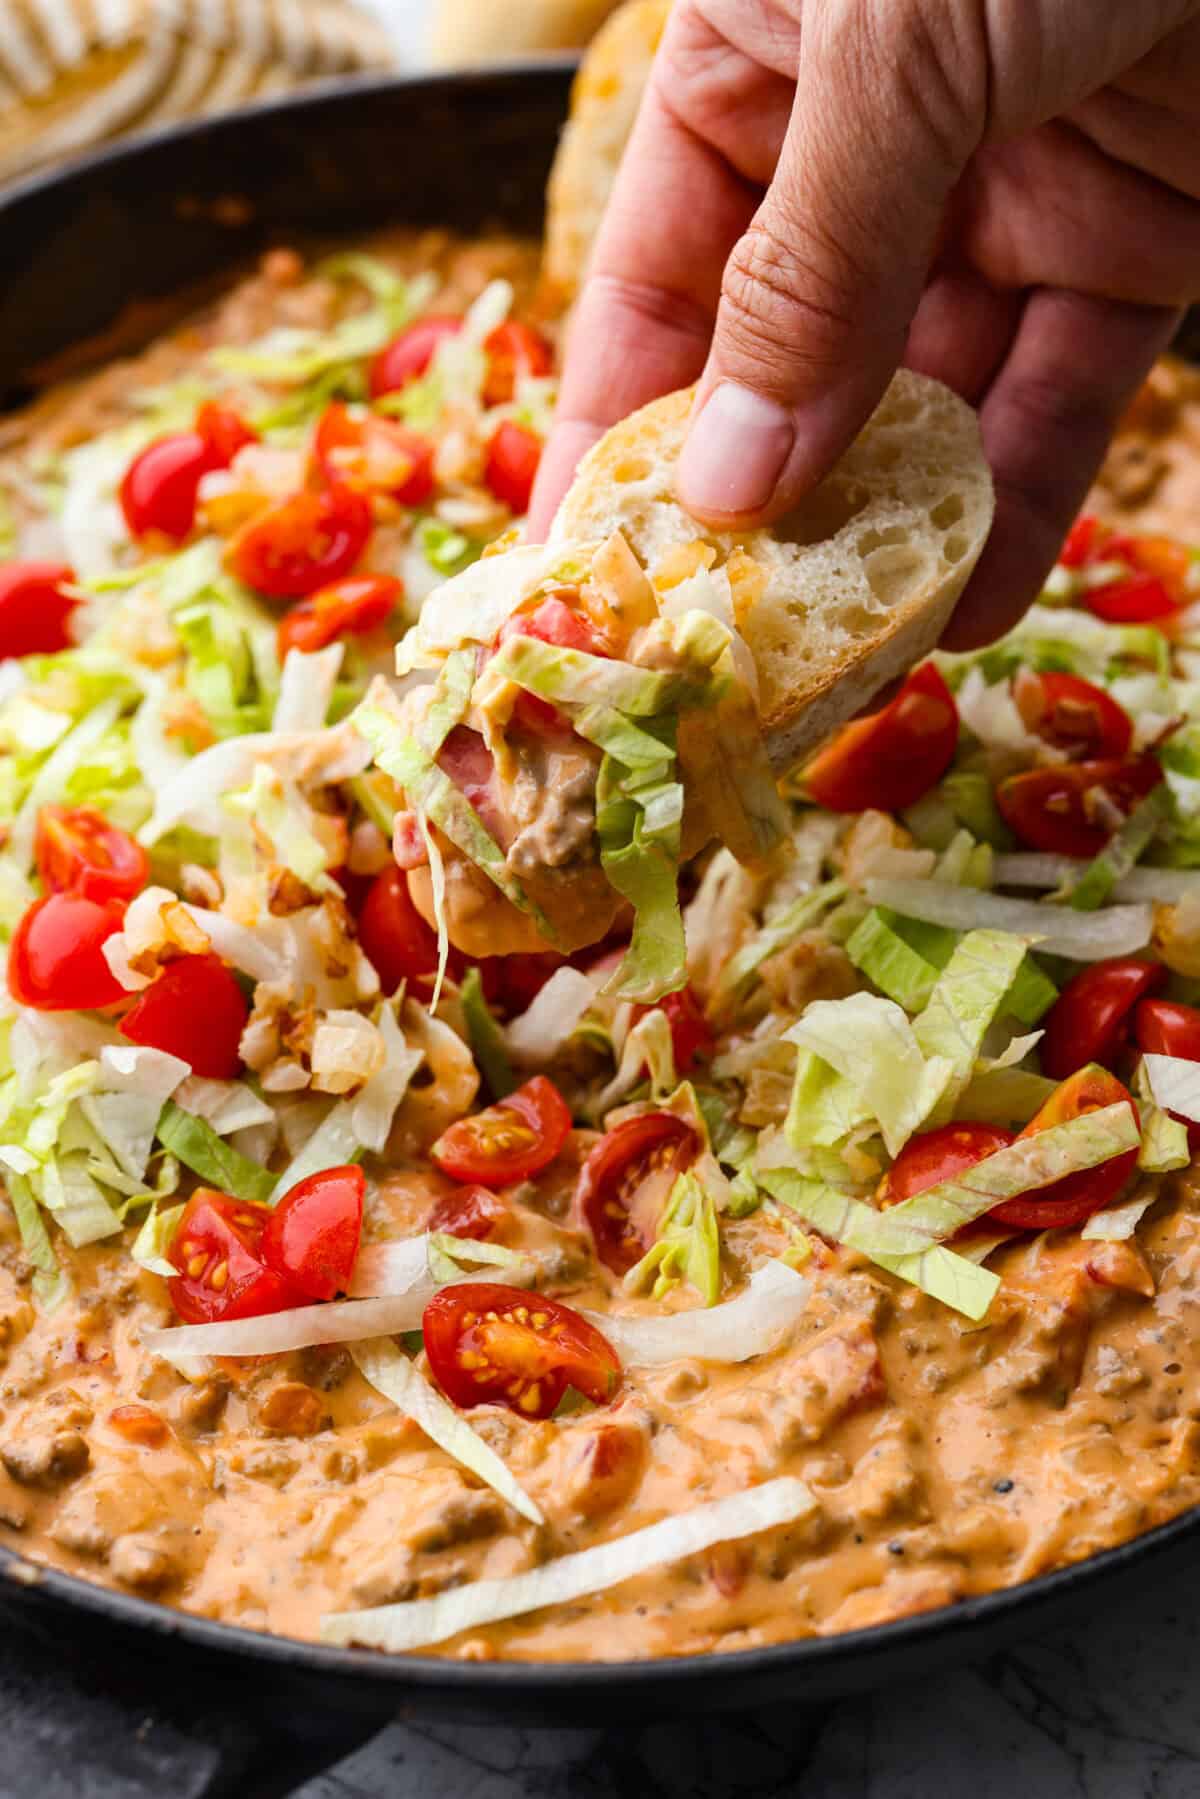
<point>785,299</point>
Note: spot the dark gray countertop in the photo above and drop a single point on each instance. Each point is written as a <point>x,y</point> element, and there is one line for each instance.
<point>1109,1709</point>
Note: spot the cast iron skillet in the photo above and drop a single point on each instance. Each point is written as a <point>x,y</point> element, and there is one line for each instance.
<point>136,224</point>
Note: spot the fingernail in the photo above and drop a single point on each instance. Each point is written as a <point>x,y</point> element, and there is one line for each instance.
<point>735,452</point>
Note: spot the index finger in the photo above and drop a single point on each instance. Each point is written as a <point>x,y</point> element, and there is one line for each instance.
<point>644,319</point>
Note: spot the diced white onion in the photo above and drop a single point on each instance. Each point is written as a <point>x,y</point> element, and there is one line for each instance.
<point>747,1326</point>
<point>416,1622</point>
<point>1081,936</point>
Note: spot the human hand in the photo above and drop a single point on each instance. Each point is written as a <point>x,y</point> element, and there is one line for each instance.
<point>1001,193</point>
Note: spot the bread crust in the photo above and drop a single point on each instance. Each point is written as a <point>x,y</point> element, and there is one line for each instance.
<point>605,98</point>
<point>858,582</point>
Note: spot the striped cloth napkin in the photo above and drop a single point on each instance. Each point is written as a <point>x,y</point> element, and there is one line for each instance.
<point>75,72</point>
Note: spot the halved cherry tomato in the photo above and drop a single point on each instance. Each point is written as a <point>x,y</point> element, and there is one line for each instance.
<point>1076,1196</point>
<point>56,961</point>
<point>1073,714</point>
<point>410,354</point>
<point>78,851</point>
<point>649,1144</point>
<point>553,621</point>
<point>195,1009</point>
<point>158,491</point>
<point>1067,809</point>
<point>891,758</point>
<point>691,1033</point>
<point>513,349</point>
<point>34,610</point>
<point>508,1142</point>
<point>469,1212</point>
<point>936,1156</point>
<point>489,1344</point>
<point>224,431</point>
<point>394,937</point>
<point>511,463</point>
<point>1135,600</point>
<point>218,1252</point>
<point>302,543</point>
<point>1089,1021</point>
<point>311,1238</point>
<point>345,608</point>
<point>374,454</point>
<point>1164,1027</point>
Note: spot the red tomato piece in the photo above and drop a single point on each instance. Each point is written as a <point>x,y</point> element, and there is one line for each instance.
<point>553,621</point>
<point>1138,600</point>
<point>1080,542</point>
<point>691,1033</point>
<point>936,1156</point>
<point>377,455</point>
<point>489,1344</point>
<point>302,543</point>
<point>513,349</point>
<point>218,1252</point>
<point>194,1009</point>
<point>78,851</point>
<point>410,353</point>
<point>469,1212</point>
<point>224,431</point>
<point>651,1144</point>
<point>1089,1021</point>
<point>1067,809</point>
<point>158,492</point>
<point>891,758</point>
<point>311,1238</point>
<point>1164,1027</point>
<point>394,937</point>
<point>1076,1196</point>
<point>346,608</point>
<point>56,961</point>
<point>509,1142</point>
<point>512,983</point>
<point>1073,714</point>
<point>513,454</point>
<point>34,610</point>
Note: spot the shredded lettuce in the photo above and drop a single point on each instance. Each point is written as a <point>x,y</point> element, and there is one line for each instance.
<point>487,1039</point>
<point>1113,931</point>
<point>414,1623</point>
<point>968,996</point>
<point>1024,1166</point>
<point>750,1325</point>
<point>687,1247</point>
<point>389,1370</point>
<point>908,1254</point>
<point>155,1238</point>
<point>889,963</point>
<point>51,1285</point>
<point>199,1148</point>
<point>574,677</point>
<point>871,1045</point>
<point>1095,885</point>
<point>795,918</point>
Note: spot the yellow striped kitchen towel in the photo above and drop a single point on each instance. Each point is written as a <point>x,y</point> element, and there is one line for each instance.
<point>75,72</point>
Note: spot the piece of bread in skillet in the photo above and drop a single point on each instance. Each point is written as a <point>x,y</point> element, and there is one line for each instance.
<point>475,31</point>
<point>850,589</point>
<point>604,101</point>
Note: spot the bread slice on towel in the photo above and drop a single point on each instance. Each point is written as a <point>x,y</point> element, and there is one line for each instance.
<point>841,595</point>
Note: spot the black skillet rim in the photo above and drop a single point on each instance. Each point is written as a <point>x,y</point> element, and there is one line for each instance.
<point>832,1660</point>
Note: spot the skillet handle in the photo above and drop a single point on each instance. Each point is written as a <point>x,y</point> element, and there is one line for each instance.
<point>141,1726</point>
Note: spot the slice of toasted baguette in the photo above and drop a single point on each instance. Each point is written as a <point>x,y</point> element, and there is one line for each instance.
<point>604,100</point>
<point>843,594</point>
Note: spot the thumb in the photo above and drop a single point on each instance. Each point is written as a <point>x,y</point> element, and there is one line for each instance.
<point>819,293</point>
